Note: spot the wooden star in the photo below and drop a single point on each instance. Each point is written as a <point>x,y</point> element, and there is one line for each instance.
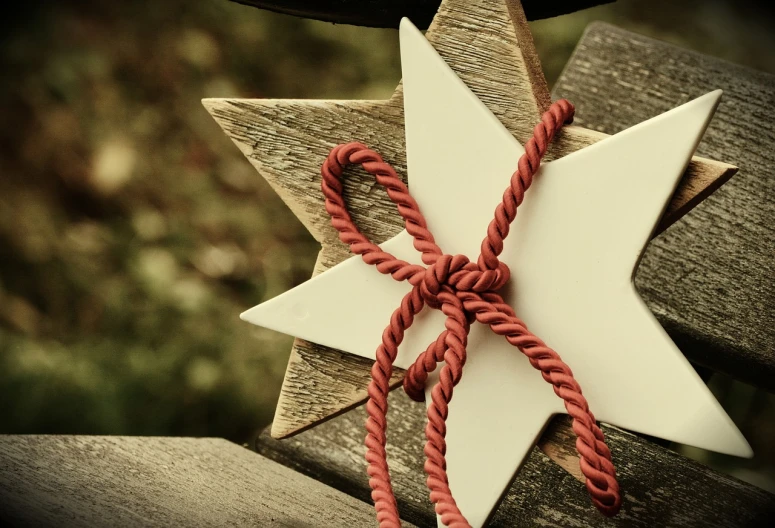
<point>489,46</point>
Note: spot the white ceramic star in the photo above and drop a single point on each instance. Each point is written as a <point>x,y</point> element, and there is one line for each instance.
<point>572,251</point>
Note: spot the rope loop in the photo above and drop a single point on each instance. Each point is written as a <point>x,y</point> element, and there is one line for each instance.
<point>465,291</point>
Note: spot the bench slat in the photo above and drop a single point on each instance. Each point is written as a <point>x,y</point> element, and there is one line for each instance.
<point>661,488</point>
<point>132,481</point>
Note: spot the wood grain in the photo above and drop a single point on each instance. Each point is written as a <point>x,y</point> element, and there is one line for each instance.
<point>489,45</point>
<point>660,487</point>
<point>64,481</point>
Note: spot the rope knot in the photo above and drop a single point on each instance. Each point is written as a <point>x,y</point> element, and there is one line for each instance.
<point>474,278</point>
<point>465,291</point>
<point>460,275</point>
<point>438,275</point>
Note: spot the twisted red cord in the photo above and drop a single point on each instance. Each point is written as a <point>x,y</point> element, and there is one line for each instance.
<point>465,292</point>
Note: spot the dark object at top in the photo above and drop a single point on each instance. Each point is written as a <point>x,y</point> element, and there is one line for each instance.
<point>388,13</point>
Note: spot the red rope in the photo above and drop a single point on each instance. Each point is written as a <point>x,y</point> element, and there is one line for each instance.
<point>465,292</point>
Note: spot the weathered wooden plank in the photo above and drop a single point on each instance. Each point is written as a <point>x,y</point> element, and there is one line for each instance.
<point>488,44</point>
<point>388,13</point>
<point>661,488</point>
<point>709,279</point>
<point>66,481</point>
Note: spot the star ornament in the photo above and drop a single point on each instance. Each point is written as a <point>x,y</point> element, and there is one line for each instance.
<point>572,253</point>
<point>572,250</point>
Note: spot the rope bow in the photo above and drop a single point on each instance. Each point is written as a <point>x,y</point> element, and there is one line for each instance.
<point>465,291</point>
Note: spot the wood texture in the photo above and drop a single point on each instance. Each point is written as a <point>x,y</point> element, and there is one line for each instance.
<point>388,13</point>
<point>287,141</point>
<point>68,481</point>
<point>660,487</point>
<point>709,279</point>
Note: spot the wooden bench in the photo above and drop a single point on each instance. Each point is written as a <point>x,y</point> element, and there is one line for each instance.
<point>132,481</point>
<point>709,279</point>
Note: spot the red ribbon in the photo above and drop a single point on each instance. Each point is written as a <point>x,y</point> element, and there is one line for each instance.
<point>465,292</point>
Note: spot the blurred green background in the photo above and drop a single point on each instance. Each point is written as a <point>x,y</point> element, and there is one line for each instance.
<point>133,233</point>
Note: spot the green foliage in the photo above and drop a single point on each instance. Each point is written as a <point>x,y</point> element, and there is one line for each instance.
<point>132,232</point>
